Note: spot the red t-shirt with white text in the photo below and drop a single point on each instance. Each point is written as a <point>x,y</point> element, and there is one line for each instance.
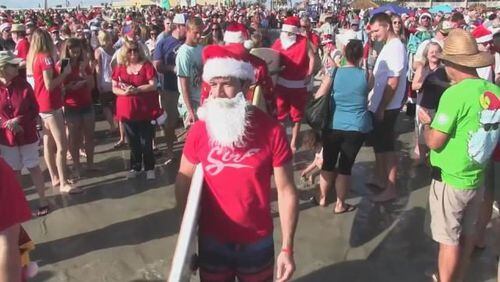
<point>47,100</point>
<point>235,204</point>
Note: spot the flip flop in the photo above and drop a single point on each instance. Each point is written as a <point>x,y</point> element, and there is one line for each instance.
<point>348,208</point>
<point>42,211</point>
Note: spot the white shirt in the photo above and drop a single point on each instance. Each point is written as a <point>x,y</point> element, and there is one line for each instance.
<point>391,62</point>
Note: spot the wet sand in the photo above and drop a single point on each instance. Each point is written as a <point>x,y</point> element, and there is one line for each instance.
<point>125,230</point>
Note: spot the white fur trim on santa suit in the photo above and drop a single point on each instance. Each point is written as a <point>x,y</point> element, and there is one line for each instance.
<point>234,37</point>
<point>228,67</point>
<point>484,39</point>
<point>290,28</point>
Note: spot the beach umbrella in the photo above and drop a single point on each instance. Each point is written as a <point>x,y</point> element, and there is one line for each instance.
<point>443,8</point>
<point>395,9</point>
<point>363,4</point>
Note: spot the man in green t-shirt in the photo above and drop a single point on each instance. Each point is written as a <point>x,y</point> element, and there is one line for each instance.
<point>462,137</point>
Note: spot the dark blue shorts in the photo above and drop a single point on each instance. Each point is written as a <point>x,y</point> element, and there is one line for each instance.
<point>226,261</point>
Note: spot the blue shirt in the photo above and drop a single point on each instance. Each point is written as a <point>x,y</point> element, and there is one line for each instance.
<point>350,101</point>
<point>166,51</point>
<point>188,62</point>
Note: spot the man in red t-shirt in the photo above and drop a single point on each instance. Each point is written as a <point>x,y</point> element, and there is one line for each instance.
<point>22,46</point>
<point>240,148</point>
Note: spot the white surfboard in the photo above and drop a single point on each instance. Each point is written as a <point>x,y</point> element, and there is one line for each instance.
<point>186,248</point>
<point>272,58</point>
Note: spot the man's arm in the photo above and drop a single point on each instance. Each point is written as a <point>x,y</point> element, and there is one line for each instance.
<point>434,139</point>
<point>183,182</point>
<point>389,91</point>
<point>312,59</point>
<point>288,210</point>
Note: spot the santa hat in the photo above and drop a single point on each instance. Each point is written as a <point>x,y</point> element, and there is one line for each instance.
<point>235,33</point>
<point>482,34</point>
<point>425,14</point>
<point>291,24</point>
<point>226,61</point>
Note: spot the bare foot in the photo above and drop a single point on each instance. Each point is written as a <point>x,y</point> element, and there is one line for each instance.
<point>387,195</point>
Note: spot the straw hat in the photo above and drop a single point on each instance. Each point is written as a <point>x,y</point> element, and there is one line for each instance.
<point>7,57</point>
<point>461,48</point>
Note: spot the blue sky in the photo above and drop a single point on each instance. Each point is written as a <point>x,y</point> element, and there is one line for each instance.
<point>51,3</point>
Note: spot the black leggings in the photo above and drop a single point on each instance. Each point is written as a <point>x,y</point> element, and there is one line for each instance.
<point>345,143</point>
<point>140,136</point>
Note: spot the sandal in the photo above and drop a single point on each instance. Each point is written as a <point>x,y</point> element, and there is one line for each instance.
<point>348,208</point>
<point>119,144</point>
<point>42,211</point>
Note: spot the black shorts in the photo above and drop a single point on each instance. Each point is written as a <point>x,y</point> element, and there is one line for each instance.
<point>344,143</point>
<point>73,114</point>
<point>383,136</point>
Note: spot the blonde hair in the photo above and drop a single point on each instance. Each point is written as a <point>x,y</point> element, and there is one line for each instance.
<point>103,37</point>
<point>194,22</point>
<point>122,53</point>
<point>41,42</point>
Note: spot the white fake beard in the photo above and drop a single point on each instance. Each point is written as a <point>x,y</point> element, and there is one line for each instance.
<point>225,120</point>
<point>287,41</point>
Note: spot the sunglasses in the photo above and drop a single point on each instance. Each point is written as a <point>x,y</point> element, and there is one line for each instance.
<point>491,126</point>
<point>153,33</point>
<point>396,22</point>
<point>135,50</point>
<point>215,29</point>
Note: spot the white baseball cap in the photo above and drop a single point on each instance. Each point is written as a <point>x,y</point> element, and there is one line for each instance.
<point>179,19</point>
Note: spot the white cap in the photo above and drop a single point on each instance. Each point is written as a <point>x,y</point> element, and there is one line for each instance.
<point>179,19</point>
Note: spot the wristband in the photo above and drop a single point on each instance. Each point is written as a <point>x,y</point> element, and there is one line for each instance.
<point>287,251</point>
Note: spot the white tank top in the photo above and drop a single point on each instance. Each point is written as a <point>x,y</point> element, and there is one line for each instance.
<point>105,77</point>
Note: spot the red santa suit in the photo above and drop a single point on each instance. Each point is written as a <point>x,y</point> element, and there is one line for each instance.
<point>290,90</point>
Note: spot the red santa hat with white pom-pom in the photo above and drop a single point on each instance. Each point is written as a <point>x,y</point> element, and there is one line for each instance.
<point>482,34</point>
<point>226,61</point>
<point>291,24</point>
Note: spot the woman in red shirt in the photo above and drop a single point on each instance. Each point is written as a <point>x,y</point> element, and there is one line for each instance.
<point>48,94</point>
<point>137,106</point>
<point>78,109</point>
<point>18,134</point>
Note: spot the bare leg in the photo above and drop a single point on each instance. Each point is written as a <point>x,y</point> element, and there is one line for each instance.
<point>448,260</point>
<point>88,133</point>
<point>486,209</point>
<point>49,152</point>
<point>108,114</point>
<point>122,132</point>
<point>468,243</point>
<point>75,137</point>
<point>390,192</point>
<point>342,184</point>
<point>57,128</point>
<point>380,176</point>
<point>325,182</point>
<point>295,136</point>
<point>10,260</point>
<point>37,178</point>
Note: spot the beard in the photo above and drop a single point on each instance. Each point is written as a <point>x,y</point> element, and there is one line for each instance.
<point>226,120</point>
<point>287,40</point>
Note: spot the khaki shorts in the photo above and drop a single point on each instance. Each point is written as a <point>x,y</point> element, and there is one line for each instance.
<point>454,212</point>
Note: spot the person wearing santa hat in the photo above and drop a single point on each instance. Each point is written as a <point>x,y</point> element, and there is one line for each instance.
<point>297,60</point>
<point>236,37</point>
<point>238,146</point>
<point>484,39</point>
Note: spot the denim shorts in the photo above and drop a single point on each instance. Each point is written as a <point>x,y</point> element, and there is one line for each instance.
<point>78,113</point>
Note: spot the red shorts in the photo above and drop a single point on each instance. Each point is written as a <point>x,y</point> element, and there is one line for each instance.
<point>290,101</point>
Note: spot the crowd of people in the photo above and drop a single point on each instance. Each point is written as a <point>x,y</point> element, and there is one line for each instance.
<point>150,69</point>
